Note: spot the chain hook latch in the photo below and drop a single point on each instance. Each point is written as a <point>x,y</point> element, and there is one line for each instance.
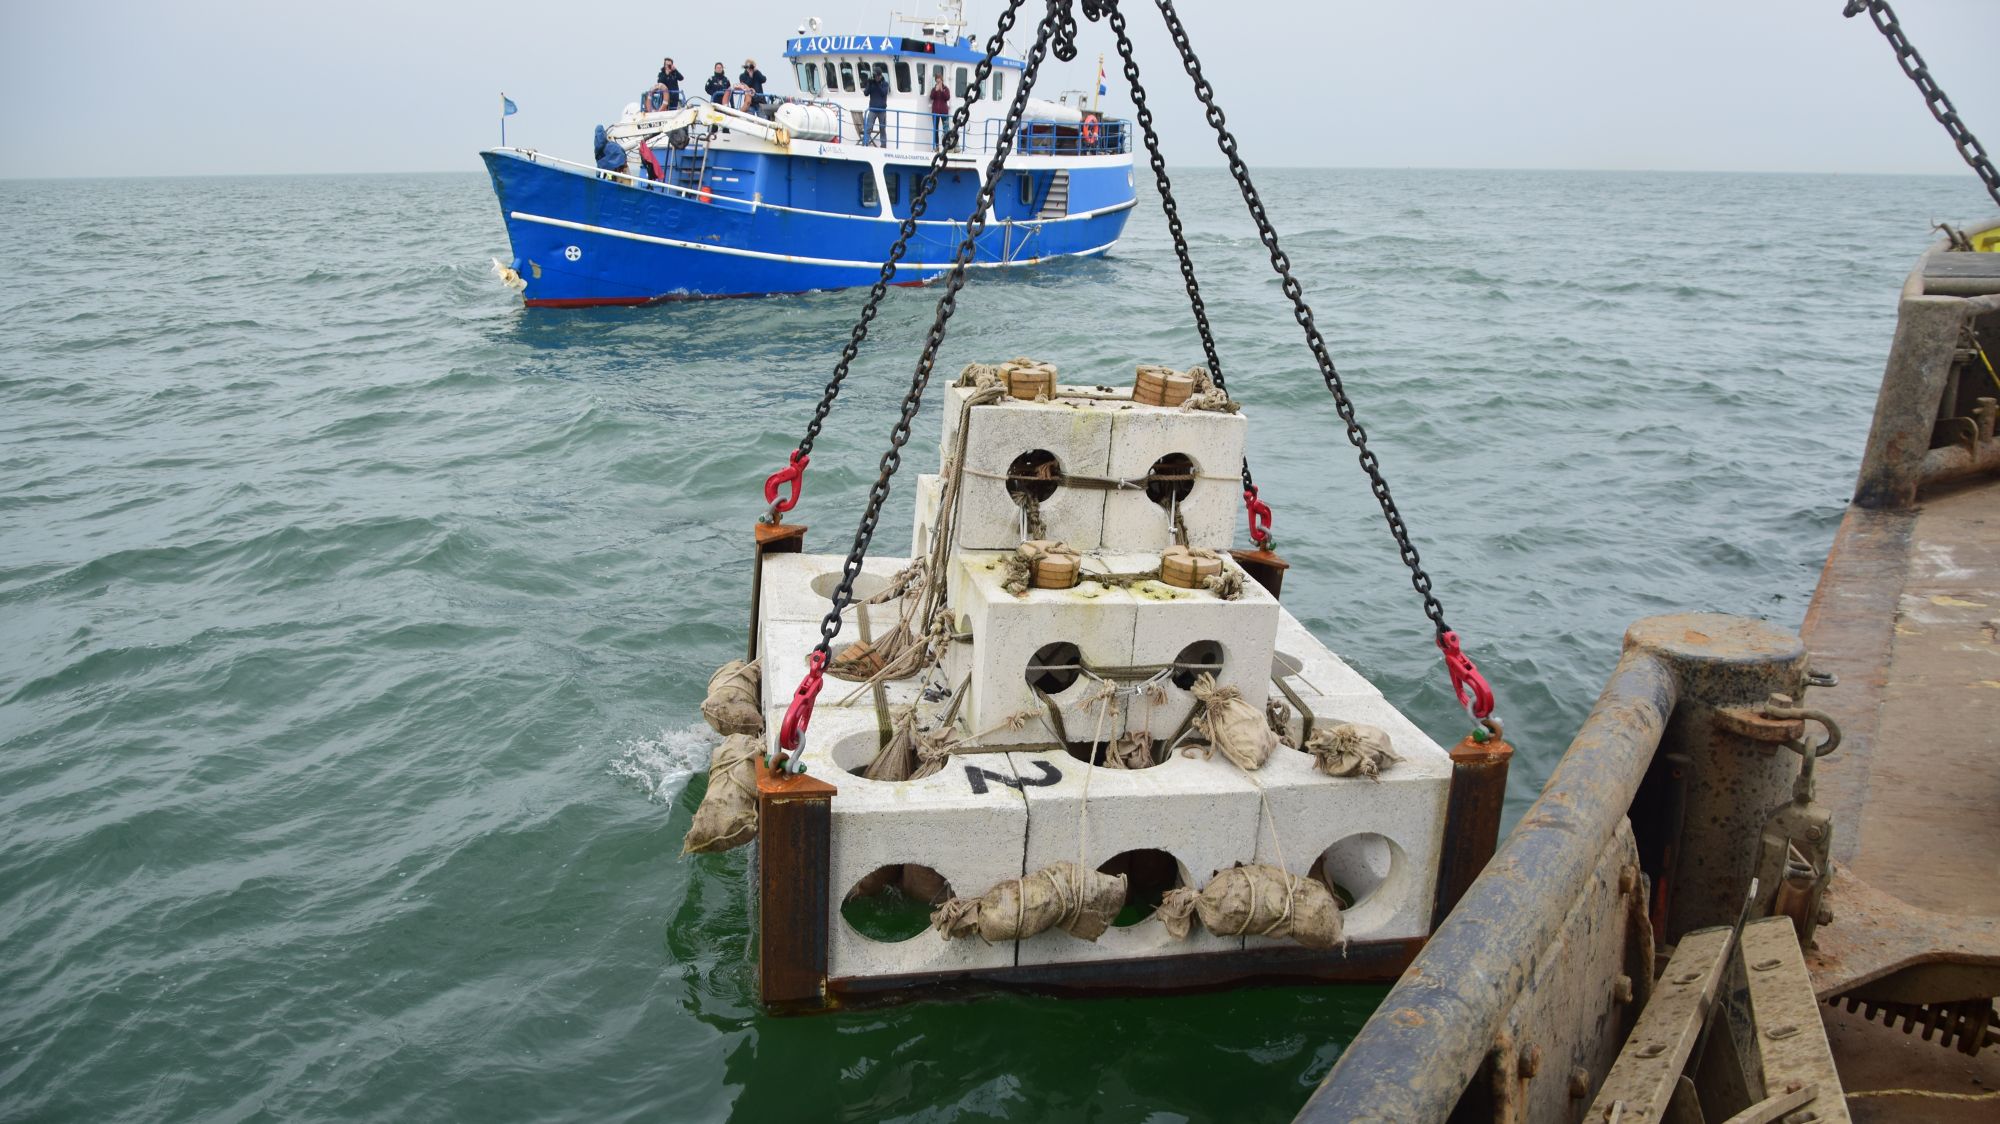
<point>794,474</point>
<point>792,732</point>
<point>1260,517</point>
<point>1473,692</point>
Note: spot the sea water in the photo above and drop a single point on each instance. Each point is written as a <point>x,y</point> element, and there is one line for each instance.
<point>353,619</point>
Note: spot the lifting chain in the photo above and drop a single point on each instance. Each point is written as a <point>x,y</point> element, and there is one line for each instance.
<point>1467,683</point>
<point>794,471</point>
<point>1940,106</point>
<point>791,734</point>
<point>1259,529</point>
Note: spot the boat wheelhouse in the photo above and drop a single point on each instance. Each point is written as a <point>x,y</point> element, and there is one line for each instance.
<point>740,196</point>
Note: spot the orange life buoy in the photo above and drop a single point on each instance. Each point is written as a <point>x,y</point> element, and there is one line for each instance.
<point>1089,129</point>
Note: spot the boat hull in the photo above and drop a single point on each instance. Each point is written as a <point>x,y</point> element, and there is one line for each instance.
<point>581,239</point>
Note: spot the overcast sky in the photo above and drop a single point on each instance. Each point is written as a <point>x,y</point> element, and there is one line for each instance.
<point>210,86</point>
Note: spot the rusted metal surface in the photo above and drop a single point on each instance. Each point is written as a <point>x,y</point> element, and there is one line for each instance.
<point>772,538</point>
<point>1967,1025</point>
<point>1414,1057</point>
<point>1920,360</point>
<point>1873,938</point>
<point>1472,817</point>
<point>1791,1042</point>
<point>1264,567</point>
<point>794,853</point>
<point>1431,1035</point>
<point>1371,962</point>
<point>1643,1079</point>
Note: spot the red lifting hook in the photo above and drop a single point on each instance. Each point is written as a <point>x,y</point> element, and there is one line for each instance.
<point>793,474</point>
<point>792,732</point>
<point>1260,518</point>
<point>1465,677</point>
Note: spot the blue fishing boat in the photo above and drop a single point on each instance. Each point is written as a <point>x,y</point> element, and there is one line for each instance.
<point>745,194</point>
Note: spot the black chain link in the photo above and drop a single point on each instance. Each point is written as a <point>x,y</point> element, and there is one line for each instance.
<point>919,201</point>
<point>1144,116</point>
<point>1302,312</point>
<point>843,595</point>
<point>1940,106</point>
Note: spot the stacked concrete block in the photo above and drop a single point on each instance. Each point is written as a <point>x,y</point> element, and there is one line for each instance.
<point>1140,437</point>
<point>971,833</point>
<point>1077,433</point>
<point>1203,812</point>
<point>1172,619</point>
<point>1382,837</point>
<point>1007,631</point>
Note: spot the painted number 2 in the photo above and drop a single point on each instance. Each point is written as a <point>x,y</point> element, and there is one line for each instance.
<point>977,778</point>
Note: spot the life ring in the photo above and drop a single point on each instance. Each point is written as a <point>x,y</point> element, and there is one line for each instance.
<point>1090,133</point>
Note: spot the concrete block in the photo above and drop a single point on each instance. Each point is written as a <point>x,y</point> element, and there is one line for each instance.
<point>971,834</point>
<point>1378,839</point>
<point>799,587</point>
<point>1212,510</point>
<point>929,487</point>
<point>1309,667</point>
<point>1007,632</point>
<point>1078,433</point>
<point>785,646</point>
<point>1202,812</point>
<point>1172,620</point>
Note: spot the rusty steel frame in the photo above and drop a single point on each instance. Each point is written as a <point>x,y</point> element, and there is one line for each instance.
<point>1440,1024</point>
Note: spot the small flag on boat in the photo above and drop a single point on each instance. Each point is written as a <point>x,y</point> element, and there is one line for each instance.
<point>507,108</point>
<point>1101,91</point>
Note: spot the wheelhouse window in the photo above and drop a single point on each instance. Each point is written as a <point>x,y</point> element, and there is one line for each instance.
<point>902,76</point>
<point>869,199</point>
<point>847,76</point>
<point>1027,189</point>
<point>999,84</point>
<point>962,81</point>
<point>895,183</point>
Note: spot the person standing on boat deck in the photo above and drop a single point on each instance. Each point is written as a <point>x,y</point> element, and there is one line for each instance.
<point>717,84</point>
<point>670,77</point>
<point>877,121</point>
<point>940,111</point>
<point>754,79</point>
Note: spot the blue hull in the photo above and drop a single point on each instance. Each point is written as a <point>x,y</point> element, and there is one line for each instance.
<point>581,238</point>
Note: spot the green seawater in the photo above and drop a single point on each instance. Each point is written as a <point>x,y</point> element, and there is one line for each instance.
<point>353,619</point>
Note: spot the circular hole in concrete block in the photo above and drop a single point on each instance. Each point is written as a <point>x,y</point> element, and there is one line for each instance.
<point>894,902</point>
<point>1200,656</point>
<point>1164,492</point>
<point>854,751</point>
<point>1053,668</point>
<point>1356,867</point>
<point>1153,754</point>
<point>865,585</point>
<point>1149,874</point>
<point>1033,474</point>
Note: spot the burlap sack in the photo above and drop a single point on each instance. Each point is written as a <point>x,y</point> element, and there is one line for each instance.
<point>1232,725</point>
<point>1258,901</point>
<point>732,703</point>
<point>727,816</point>
<point>1132,750</point>
<point>1062,896</point>
<point>1351,749</point>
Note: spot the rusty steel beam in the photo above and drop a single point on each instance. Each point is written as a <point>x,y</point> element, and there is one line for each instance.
<point>794,903</point>
<point>1415,1057</point>
<point>1471,818</point>
<point>1264,568</point>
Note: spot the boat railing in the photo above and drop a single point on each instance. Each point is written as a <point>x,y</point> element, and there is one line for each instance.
<point>915,130</point>
<point>1549,952</point>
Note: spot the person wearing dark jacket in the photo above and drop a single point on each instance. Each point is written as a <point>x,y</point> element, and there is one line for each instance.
<point>940,111</point>
<point>717,84</point>
<point>877,121</point>
<point>754,79</point>
<point>670,77</point>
